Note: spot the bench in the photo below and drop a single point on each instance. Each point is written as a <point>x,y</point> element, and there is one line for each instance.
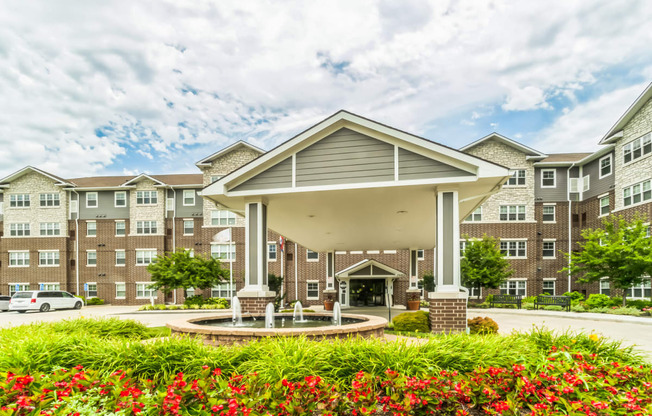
<point>506,300</point>
<point>543,300</point>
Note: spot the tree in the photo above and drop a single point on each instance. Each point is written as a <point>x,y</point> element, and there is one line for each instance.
<point>621,252</point>
<point>483,264</point>
<point>274,283</point>
<point>180,270</point>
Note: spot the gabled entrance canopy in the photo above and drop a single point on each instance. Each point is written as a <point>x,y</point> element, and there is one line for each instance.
<point>369,269</point>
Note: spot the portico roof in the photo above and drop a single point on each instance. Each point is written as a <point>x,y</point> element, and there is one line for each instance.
<point>350,183</point>
<point>369,268</point>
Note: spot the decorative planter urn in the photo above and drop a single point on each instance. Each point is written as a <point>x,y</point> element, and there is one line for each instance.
<point>413,305</point>
<point>328,304</point>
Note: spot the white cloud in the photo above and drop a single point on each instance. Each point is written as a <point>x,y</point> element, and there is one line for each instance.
<point>170,76</point>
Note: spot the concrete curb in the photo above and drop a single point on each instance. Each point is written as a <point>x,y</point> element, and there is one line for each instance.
<point>586,316</point>
<point>221,311</point>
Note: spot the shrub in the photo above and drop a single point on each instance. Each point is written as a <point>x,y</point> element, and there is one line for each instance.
<point>578,308</point>
<point>599,310</point>
<point>529,299</point>
<point>194,300</point>
<point>412,322</point>
<point>221,303</point>
<point>575,296</point>
<point>553,308</point>
<point>95,301</point>
<point>528,306</point>
<point>480,325</point>
<point>638,303</point>
<point>598,301</point>
<point>488,299</point>
<point>625,311</point>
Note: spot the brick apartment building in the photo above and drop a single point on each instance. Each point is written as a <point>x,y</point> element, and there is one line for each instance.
<point>95,236</point>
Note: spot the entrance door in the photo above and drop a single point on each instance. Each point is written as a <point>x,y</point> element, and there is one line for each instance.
<point>367,292</point>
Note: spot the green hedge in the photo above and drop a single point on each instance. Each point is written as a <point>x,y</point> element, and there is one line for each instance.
<point>412,322</point>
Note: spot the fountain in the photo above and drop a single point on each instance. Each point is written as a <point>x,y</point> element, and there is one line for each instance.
<point>298,313</point>
<point>269,315</point>
<point>237,311</point>
<point>337,314</point>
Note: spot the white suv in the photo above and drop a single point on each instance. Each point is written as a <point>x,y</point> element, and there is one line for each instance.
<point>43,301</point>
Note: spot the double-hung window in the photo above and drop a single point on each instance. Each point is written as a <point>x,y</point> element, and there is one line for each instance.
<point>50,228</point>
<point>49,200</point>
<point>146,197</point>
<point>48,258</point>
<point>223,290</point>
<point>91,258</point>
<point>188,197</point>
<point>549,213</point>
<point>224,252</point>
<point>517,178</point>
<point>271,251</point>
<point>637,193</point>
<point>222,217</point>
<point>120,199</point>
<point>91,228</point>
<point>188,227</point>
<point>312,290</point>
<point>19,258</point>
<point>120,258</point>
<point>19,200</point>
<point>605,166</point>
<point>19,229</point>
<point>145,257</point>
<point>91,200</point>
<point>516,249</point>
<point>605,288</point>
<point>641,291</point>
<point>637,148</point>
<point>120,229</point>
<point>143,291</point>
<point>549,287</point>
<point>549,249</point>
<point>512,213</point>
<point>513,287</point>
<point>17,287</point>
<point>91,290</point>
<point>120,290</point>
<point>604,205</point>
<point>146,227</point>
<point>548,178</point>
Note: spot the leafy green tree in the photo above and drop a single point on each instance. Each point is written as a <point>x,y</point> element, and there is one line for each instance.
<point>483,264</point>
<point>621,252</point>
<point>275,283</point>
<point>180,270</point>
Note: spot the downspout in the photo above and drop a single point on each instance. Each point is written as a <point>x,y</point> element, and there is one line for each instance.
<point>174,230</point>
<point>296,273</point>
<point>77,244</point>
<point>570,220</point>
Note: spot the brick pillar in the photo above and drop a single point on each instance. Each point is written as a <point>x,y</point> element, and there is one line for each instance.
<point>447,312</point>
<point>255,305</point>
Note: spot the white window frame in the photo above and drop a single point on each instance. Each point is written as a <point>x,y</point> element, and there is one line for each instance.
<point>639,143</point>
<point>605,286</point>
<point>192,191</point>
<point>223,291</point>
<point>514,174</point>
<point>600,201</point>
<point>554,178</point>
<point>554,249</point>
<point>23,258</point>
<point>147,293</point>
<point>574,185</point>
<point>43,261</point>
<point>169,204</point>
<point>631,192</point>
<point>222,218</point>
<point>308,290</point>
<point>21,287</point>
<point>192,226</point>
<point>308,253</point>
<point>124,257</point>
<point>124,228</point>
<point>53,227</point>
<point>270,245</point>
<point>515,286</point>
<point>385,252</point>
<point>517,213</point>
<point>147,196</point>
<point>586,183</point>
<point>611,166</point>
<point>55,197</point>
<point>20,229</point>
<point>421,254</point>
<point>49,286</point>
<point>519,245</point>
<point>554,213</point>
<point>19,201</point>
<point>146,227</point>
<point>215,178</point>
<point>115,199</point>
<point>88,228</point>
<point>554,286</point>
<point>646,285</point>
<point>97,202</point>
<point>88,291</point>
<point>88,258</point>
<point>145,256</point>
<point>224,252</point>
<point>123,285</point>
<point>475,216</point>
<point>473,292</point>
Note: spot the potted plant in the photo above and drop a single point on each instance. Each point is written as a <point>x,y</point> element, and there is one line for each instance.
<point>413,301</point>
<point>328,302</point>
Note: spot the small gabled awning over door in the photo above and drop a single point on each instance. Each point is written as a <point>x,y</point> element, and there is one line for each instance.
<point>369,269</point>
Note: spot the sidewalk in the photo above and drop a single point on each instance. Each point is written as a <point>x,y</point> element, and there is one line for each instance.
<point>601,317</point>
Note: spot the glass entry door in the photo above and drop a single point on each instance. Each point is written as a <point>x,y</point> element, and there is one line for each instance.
<point>367,292</point>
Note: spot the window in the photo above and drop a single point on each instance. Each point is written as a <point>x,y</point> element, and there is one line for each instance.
<point>549,249</point>
<point>548,178</point>
<point>91,199</point>
<point>605,166</point>
<point>19,259</point>
<point>190,292</point>
<point>188,197</point>
<point>215,178</point>
<point>312,255</point>
<point>17,287</point>
<point>145,257</point>
<point>73,206</point>
<point>574,185</point>
<point>518,178</point>
<point>222,217</point>
<point>462,248</point>
<point>120,229</point>
<point>91,228</point>
<point>48,258</point>
<point>641,291</point>
<point>50,286</point>
<point>549,213</point>
<point>223,290</point>
<point>19,200</point>
<point>586,183</point>
<point>91,258</point>
<point>120,290</point>
<point>512,212</point>
<point>169,204</point>
<point>49,200</point>
<point>19,229</point>
<point>420,255</point>
<point>224,252</point>
<point>637,148</point>
<point>188,227</point>
<point>637,193</point>
<point>91,290</point>
<point>513,248</point>
<point>312,291</point>
<point>549,287</point>
<point>475,215</point>
<point>604,288</point>
<point>120,258</point>
<point>146,197</point>
<point>143,291</point>
<point>513,287</point>
<point>271,251</point>
<point>120,199</point>
<point>50,228</point>
<point>475,292</point>
<point>604,205</point>
<point>146,227</point>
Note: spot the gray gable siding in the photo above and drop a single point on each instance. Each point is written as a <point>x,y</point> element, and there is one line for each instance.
<point>558,193</point>
<point>190,210</point>
<point>598,186</point>
<point>278,176</point>
<point>415,166</point>
<point>345,157</point>
<point>105,207</point>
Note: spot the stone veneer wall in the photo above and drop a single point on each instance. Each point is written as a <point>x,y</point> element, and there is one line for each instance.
<point>510,195</point>
<point>640,170</point>
<point>147,212</point>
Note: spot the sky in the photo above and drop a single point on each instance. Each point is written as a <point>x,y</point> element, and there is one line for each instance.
<point>124,87</point>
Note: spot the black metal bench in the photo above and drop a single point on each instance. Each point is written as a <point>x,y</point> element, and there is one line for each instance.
<point>543,300</point>
<point>506,300</point>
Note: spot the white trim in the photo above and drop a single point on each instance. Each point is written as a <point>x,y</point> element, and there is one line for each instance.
<point>115,199</point>
<point>97,201</point>
<point>29,260</point>
<point>440,243</point>
<point>183,224</point>
<point>294,170</point>
<point>389,251</point>
<point>373,251</point>
<point>549,239</point>
<point>312,297</point>
<point>507,141</point>
<point>48,265</point>
<point>141,176</point>
<point>154,292</point>
<point>183,197</point>
<point>116,257</point>
<point>611,166</point>
<point>311,260</point>
<point>355,252</point>
<point>396,163</point>
<point>91,265</point>
<point>206,161</point>
<point>91,222</point>
<point>554,178</point>
<point>272,243</point>
<point>115,228</point>
<point>549,203</point>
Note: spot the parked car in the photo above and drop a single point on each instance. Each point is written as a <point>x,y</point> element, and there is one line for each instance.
<point>4,303</point>
<point>43,301</point>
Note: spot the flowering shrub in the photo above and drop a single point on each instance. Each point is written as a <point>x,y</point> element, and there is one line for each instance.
<point>567,382</point>
<point>480,325</point>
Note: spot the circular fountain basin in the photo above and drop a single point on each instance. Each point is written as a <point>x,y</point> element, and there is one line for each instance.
<point>219,329</point>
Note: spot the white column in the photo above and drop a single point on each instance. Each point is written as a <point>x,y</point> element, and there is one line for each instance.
<point>330,270</point>
<point>448,242</point>
<point>414,269</point>
<point>255,251</point>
